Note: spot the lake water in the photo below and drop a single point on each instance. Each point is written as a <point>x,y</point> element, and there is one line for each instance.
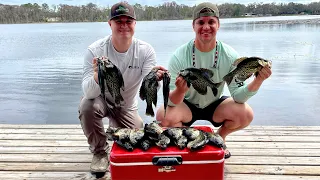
<point>41,67</point>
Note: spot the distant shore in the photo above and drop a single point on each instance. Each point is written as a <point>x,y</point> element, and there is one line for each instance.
<point>293,21</point>
<point>286,21</point>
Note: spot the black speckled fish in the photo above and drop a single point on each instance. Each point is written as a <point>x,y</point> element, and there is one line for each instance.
<point>200,79</point>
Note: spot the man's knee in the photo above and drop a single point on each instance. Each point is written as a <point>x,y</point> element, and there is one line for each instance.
<point>162,118</point>
<point>247,116</point>
<point>89,107</point>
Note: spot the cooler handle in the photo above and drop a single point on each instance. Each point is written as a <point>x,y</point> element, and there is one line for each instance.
<point>166,160</point>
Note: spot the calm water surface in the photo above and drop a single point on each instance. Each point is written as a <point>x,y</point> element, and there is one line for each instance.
<point>41,67</point>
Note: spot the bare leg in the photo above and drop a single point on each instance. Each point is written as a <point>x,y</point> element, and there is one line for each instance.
<point>175,116</point>
<point>234,115</point>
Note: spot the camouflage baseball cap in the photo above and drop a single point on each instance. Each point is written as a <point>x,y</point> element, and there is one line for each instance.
<point>205,9</point>
<point>122,9</point>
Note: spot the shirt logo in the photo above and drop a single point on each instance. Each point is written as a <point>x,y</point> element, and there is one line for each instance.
<point>134,67</point>
<point>239,83</point>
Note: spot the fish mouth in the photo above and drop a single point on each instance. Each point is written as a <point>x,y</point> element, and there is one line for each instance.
<point>263,62</point>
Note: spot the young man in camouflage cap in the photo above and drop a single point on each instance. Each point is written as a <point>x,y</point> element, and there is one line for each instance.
<point>186,105</point>
<point>135,59</point>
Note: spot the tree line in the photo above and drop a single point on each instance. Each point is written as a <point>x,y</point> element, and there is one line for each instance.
<point>35,13</point>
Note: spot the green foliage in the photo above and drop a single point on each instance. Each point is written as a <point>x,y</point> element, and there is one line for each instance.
<point>33,13</point>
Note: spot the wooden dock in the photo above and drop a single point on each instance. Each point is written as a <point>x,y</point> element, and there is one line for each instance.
<point>60,152</point>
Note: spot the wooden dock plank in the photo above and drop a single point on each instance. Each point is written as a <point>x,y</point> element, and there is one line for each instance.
<point>238,133</point>
<point>30,175</point>
<point>77,126</point>
<point>86,158</point>
<point>297,152</point>
<point>231,138</point>
<point>61,152</point>
<point>273,170</point>
<point>69,143</point>
<point>268,177</point>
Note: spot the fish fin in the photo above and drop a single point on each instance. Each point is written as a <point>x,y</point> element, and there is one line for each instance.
<point>119,99</point>
<point>101,79</point>
<point>149,110</point>
<point>166,90</point>
<point>125,145</point>
<point>188,84</point>
<point>202,91</point>
<point>155,99</point>
<point>142,91</point>
<point>243,78</point>
<point>228,78</point>
<point>239,60</point>
<point>214,90</point>
<point>120,77</point>
<point>206,72</point>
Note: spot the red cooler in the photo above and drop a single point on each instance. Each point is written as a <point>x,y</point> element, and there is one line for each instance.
<point>169,164</point>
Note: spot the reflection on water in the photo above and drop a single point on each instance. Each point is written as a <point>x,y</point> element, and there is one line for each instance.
<point>41,67</point>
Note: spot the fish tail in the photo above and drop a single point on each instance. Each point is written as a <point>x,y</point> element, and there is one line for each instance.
<point>166,91</point>
<point>228,78</point>
<point>214,90</point>
<point>149,110</point>
<point>118,98</point>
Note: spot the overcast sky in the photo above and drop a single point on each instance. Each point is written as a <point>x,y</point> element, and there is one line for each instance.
<point>146,2</point>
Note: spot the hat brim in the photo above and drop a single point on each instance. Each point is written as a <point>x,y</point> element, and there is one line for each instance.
<point>122,15</point>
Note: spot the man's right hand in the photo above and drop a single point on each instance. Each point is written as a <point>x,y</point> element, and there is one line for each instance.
<point>95,69</point>
<point>177,95</point>
<point>181,85</point>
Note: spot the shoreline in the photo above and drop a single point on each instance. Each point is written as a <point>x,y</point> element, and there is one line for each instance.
<point>293,21</point>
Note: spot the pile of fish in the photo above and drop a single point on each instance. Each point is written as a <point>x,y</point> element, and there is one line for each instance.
<point>149,88</point>
<point>245,67</point>
<point>110,76</point>
<point>154,135</point>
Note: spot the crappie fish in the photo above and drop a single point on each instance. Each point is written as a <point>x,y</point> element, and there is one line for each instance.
<point>135,136</point>
<point>199,142</point>
<point>120,134</point>
<point>215,140</point>
<point>148,90</point>
<point>200,78</point>
<point>125,145</point>
<point>153,131</point>
<point>176,134</point>
<point>145,144</point>
<point>132,136</point>
<point>191,133</point>
<point>110,76</point>
<point>246,66</point>
<point>163,141</point>
<point>166,90</point>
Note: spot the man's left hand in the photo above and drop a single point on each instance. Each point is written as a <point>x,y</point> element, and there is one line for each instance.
<point>264,73</point>
<point>160,72</point>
